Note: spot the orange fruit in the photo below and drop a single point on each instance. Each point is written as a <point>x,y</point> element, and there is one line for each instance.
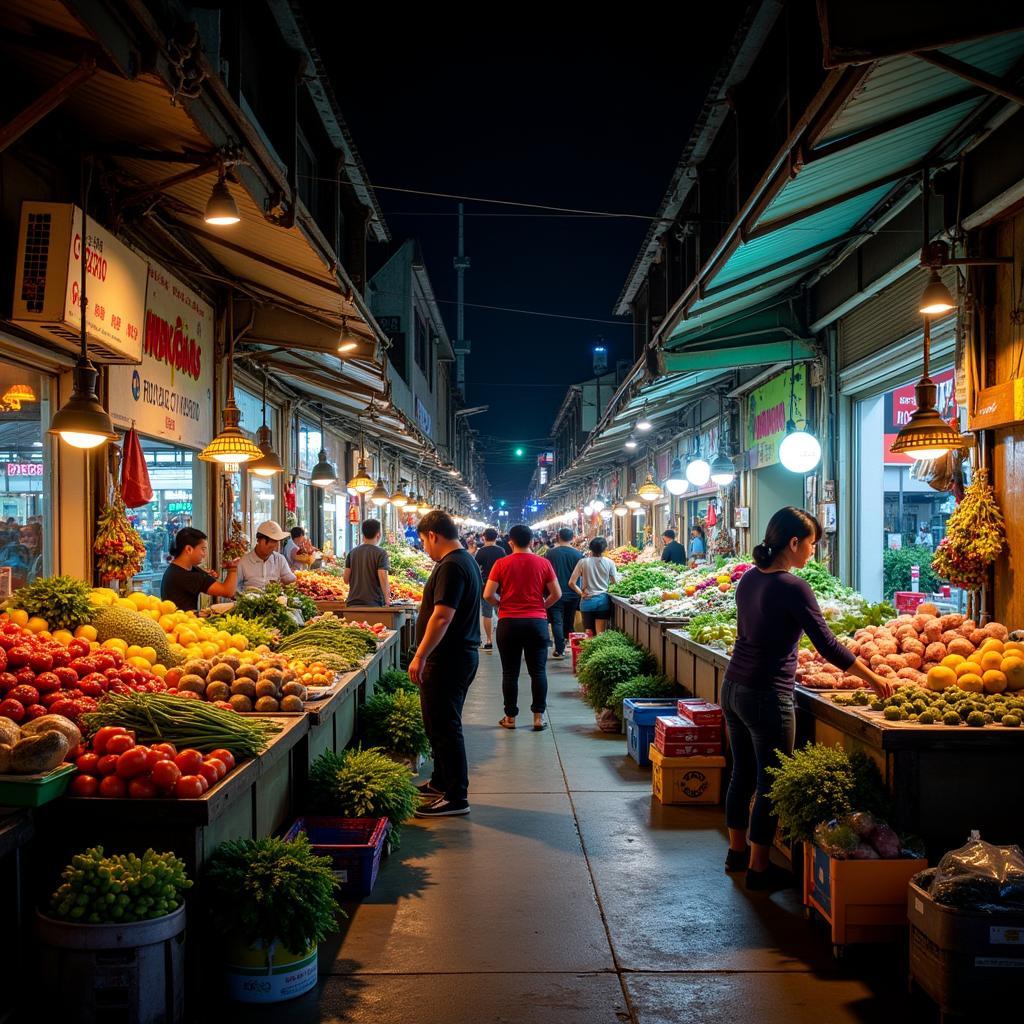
<point>991,660</point>
<point>971,682</point>
<point>994,681</point>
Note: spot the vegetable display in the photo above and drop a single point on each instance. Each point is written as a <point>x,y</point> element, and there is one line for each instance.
<point>975,534</point>
<point>267,685</point>
<point>264,608</point>
<point>162,717</point>
<point>320,586</point>
<point>121,888</point>
<point>60,602</point>
<point>120,551</point>
<point>336,644</point>
<point>643,577</point>
<point>952,707</point>
<point>256,634</point>
<point>394,720</point>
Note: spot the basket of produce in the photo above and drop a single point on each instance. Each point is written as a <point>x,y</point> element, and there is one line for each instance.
<point>32,760</point>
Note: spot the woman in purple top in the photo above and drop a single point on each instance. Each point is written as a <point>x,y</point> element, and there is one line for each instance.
<point>773,608</point>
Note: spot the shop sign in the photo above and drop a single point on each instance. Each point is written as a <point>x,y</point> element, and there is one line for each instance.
<point>901,404</point>
<point>768,411</point>
<point>170,395</point>
<point>180,506</point>
<point>423,417</point>
<point>24,469</point>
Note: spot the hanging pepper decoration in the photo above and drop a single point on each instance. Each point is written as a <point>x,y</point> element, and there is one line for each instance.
<point>120,551</point>
<point>975,535</point>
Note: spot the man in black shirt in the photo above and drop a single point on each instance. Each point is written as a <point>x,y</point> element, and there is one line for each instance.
<point>673,551</point>
<point>485,558</point>
<point>446,660</point>
<point>562,614</point>
<point>184,581</point>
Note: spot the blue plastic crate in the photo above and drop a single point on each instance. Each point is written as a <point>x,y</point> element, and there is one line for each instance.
<point>355,846</point>
<point>640,714</point>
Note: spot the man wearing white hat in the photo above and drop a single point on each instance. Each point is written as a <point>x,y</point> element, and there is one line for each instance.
<point>265,563</point>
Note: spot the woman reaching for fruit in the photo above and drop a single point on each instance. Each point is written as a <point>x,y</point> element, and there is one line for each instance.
<point>184,581</point>
<point>773,608</point>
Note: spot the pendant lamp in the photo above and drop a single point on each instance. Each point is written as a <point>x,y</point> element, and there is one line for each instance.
<point>649,490</point>
<point>634,501</point>
<point>348,341</point>
<point>619,507</point>
<point>400,499</point>
<point>722,470</point>
<point>800,450</point>
<point>270,463</point>
<point>676,483</point>
<point>361,483</point>
<point>221,208</point>
<point>324,474</point>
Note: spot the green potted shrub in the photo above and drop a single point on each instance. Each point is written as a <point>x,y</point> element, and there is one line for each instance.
<point>604,671</point>
<point>364,784</point>
<point>394,721</point>
<point>394,679</point>
<point>273,902</point>
<point>640,686</point>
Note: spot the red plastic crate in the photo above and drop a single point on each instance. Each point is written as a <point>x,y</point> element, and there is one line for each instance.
<point>355,846</point>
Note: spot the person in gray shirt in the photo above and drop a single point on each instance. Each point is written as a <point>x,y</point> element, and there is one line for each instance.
<point>366,571</point>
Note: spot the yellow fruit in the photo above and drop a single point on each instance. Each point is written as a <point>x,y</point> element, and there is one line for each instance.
<point>167,607</point>
<point>166,623</point>
<point>62,636</point>
<point>94,646</point>
<point>139,599</point>
<point>86,632</point>
<point>992,644</point>
<point>19,616</point>
<point>952,660</point>
<point>971,682</point>
<point>149,653</point>
<point>975,658</point>
<point>125,602</point>
<point>186,637</point>
<point>991,660</point>
<point>209,649</point>
<point>139,662</point>
<point>134,650</point>
<point>1014,648</point>
<point>115,643</point>
<point>968,667</point>
<point>37,625</point>
<point>940,677</point>
<point>158,670</point>
<point>1013,669</point>
<point>994,681</point>
<point>239,642</point>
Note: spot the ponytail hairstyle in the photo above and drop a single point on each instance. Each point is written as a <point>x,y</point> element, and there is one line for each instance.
<point>787,523</point>
<point>186,537</point>
<point>597,546</point>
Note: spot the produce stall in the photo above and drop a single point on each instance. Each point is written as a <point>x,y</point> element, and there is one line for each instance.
<point>698,669</point>
<point>645,628</point>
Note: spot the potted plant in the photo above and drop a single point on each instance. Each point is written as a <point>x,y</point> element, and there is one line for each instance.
<point>614,662</point>
<point>855,870</point>
<point>273,902</point>
<point>394,721</point>
<point>364,784</point>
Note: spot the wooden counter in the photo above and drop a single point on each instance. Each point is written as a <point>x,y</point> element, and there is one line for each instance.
<point>698,669</point>
<point>944,780</point>
<point>646,629</point>
<point>400,617</point>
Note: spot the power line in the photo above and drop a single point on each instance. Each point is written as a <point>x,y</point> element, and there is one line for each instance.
<point>537,312</point>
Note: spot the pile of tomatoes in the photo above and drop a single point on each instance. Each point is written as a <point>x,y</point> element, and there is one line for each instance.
<point>40,676</point>
<point>118,767</point>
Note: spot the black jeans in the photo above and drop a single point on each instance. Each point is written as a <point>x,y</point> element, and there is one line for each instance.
<point>562,616</point>
<point>516,638</point>
<point>443,692</point>
<point>760,721</point>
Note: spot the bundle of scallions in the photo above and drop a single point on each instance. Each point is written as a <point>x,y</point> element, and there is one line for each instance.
<point>165,718</point>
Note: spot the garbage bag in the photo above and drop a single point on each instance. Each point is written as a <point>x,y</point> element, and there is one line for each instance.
<point>981,876</point>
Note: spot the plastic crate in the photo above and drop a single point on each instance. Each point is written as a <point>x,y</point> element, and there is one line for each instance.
<point>355,846</point>
<point>35,790</point>
<point>575,640</point>
<point>639,714</point>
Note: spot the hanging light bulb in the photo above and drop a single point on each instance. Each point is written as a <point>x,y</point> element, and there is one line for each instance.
<point>800,451</point>
<point>400,499</point>
<point>362,482</point>
<point>634,501</point>
<point>220,207</point>
<point>722,470</point>
<point>588,509</point>
<point>676,483</point>
<point>649,490</point>
<point>324,474</point>
<point>644,423</point>
<point>348,340</point>
<point>271,462</point>
<point>599,504</point>
<point>424,506</point>
<point>936,298</point>
<point>631,442</point>
<point>698,469</point>
<point>379,495</point>
<point>620,508</point>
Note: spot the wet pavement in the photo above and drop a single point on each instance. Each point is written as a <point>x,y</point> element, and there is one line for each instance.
<point>570,895</point>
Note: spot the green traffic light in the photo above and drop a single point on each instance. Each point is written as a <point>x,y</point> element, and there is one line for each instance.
<point>519,453</point>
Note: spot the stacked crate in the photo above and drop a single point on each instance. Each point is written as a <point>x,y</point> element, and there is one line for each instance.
<point>686,754</point>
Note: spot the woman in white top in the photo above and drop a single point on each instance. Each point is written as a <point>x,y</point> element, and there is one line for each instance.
<point>591,579</point>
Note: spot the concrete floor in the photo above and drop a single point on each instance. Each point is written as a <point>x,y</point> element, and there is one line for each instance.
<point>570,896</point>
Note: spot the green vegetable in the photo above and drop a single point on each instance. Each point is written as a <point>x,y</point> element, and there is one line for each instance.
<point>822,582</point>
<point>364,784</point>
<point>394,679</point>
<point>605,670</point>
<point>164,718</point>
<point>394,721</point>
<point>636,578</point>
<point>640,686</point>
<point>269,890</point>
<point>251,629</point>
<point>263,608</point>
<point>121,888</point>
<point>610,639</point>
<point>341,647</point>
<point>62,600</point>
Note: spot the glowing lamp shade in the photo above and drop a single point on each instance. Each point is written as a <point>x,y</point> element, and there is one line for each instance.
<point>270,463</point>
<point>220,207</point>
<point>588,509</point>
<point>644,423</point>
<point>399,499</point>
<point>936,298</point>
<point>620,508</point>
<point>424,507</point>
<point>698,471</point>
<point>926,435</point>
<point>324,474</point>
<point>649,490</point>
<point>599,504</point>
<point>799,452</point>
<point>360,483</point>
<point>631,443</point>
<point>82,422</point>
<point>722,470</point>
<point>634,501</point>
<point>676,483</point>
<point>231,445</point>
<point>379,495</point>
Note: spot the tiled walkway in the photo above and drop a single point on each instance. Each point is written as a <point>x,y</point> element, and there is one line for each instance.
<point>569,896</point>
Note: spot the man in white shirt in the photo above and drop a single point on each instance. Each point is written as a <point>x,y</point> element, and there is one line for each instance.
<point>265,563</point>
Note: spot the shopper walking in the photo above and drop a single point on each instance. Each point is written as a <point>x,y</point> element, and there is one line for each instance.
<point>673,551</point>
<point>528,587</point>
<point>366,571</point>
<point>562,614</point>
<point>486,556</point>
<point>446,660</point>
<point>591,579</point>
<point>774,608</point>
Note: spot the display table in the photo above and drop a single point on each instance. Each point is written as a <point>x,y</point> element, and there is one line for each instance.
<point>400,617</point>
<point>698,669</point>
<point>646,629</point>
<point>944,780</point>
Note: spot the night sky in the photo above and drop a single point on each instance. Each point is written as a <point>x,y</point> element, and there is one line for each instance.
<point>558,121</point>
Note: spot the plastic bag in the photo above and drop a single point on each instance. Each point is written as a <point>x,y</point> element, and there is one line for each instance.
<point>136,489</point>
<point>859,836</point>
<point>981,876</point>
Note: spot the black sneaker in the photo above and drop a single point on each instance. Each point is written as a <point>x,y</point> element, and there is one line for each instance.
<point>426,789</point>
<point>557,656</point>
<point>737,860</point>
<point>772,878</point>
<point>488,647</point>
<point>442,809</point>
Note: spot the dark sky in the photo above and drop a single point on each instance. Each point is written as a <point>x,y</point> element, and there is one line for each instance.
<point>555,120</point>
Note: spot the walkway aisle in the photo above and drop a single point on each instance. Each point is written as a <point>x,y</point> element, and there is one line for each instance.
<point>506,916</point>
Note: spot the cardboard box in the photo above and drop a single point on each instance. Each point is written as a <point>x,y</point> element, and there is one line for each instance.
<point>687,749</point>
<point>686,780</point>
<point>677,729</point>
<point>698,711</point>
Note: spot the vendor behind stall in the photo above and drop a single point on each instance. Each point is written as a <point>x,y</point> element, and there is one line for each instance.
<point>184,580</point>
<point>265,563</point>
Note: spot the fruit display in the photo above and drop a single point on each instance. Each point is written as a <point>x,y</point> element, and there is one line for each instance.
<point>236,544</point>
<point>118,767</point>
<point>337,645</point>
<point>975,534</point>
<point>120,552</point>
<point>135,630</point>
<point>714,629</point>
<point>266,683</point>
<point>320,586</point>
<point>122,888</point>
<point>41,745</point>
<point>950,707</point>
<point>59,602</point>
<point>268,608</point>
<point>623,555</point>
<point>166,718</point>
<point>255,634</point>
<point>40,674</point>
<point>643,578</point>
<point>408,563</point>
<point>403,590</point>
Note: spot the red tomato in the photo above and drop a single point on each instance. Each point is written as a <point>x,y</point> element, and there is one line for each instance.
<point>91,689</point>
<point>165,776</point>
<point>107,764</point>
<point>25,677</point>
<point>189,761</point>
<point>84,785</point>
<point>132,762</point>
<point>222,754</point>
<point>36,711</point>
<point>99,741</point>
<point>83,666</point>
<point>188,787</point>
<point>12,709</point>
<point>19,655</point>
<point>49,699</point>
<point>68,708</point>
<point>166,748</point>
<point>8,681</point>
<point>142,788</point>
<point>113,786</point>
<point>76,752</point>
<point>47,682</point>
<point>154,757</point>
<point>3,659</point>
<point>25,694</point>
<point>67,675</point>
<point>61,658</point>
<point>78,648</point>
<point>222,768</point>
<point>210,773</point>
<point>87,764</point>
<point>119,744</point>
<point>111,673</point>
<point>41,661</point>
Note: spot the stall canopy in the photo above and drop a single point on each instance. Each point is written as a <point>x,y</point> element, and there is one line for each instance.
<point>854,160</point>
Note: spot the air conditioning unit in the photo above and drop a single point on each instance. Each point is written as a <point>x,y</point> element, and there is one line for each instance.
<point>48,281</point>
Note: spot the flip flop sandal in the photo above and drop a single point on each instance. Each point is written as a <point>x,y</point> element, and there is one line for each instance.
<point>507,723</point>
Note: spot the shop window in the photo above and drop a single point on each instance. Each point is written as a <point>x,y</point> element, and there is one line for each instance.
<point>26,530</point>
<point>422,345</point>
<point>900,524</point>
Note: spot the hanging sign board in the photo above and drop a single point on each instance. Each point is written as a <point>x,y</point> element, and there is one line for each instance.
<point>901,404</point>
<point>170,395</point>
<point>767,412</point>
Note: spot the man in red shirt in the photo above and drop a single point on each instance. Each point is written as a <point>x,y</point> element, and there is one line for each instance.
<point>522,586</point>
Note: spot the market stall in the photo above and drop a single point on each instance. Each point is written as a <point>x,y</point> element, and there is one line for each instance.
<point>698,669</point>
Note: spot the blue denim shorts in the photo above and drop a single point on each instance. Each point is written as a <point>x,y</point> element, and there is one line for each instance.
<point>486,610</point>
